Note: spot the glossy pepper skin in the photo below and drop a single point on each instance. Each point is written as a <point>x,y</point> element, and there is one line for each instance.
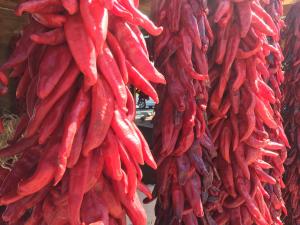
<point>79,150</point>
<point>78,113</point>
<point>100,117</point>
<point>82,48</point>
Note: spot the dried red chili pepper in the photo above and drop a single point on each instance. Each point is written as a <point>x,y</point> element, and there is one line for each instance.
<point>77,139</point>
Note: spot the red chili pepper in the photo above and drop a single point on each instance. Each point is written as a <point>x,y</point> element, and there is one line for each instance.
<point>111,156</point>
<point>130,171</point>
<point>127,135</point>
<point>82,48</point>
<point>24,47</point>
<point>119,55</point>
<point>34,60</point>
<point>71,6</point>
<point>16,210</point>
<point>18,70</point>
<point>53,37</point>
<point>141,19</point>
<point>53,119</point>
<point>50,20</point>
<point>39,6</point>
<point>43,174</point>
<point>77,146</point>
<point>112,202</point>
<point>109,69</point>
<point>95,19</point>
<point>43,107</point>
<point>135,53</point>
<point>133,207</point>
<point>77,185</point>
<point>100,117</point>
<point>50,72</point>
<point>147,155</point>
<point>23,84</point>
<point>18,147</point>
<point>93,210</point>
<point>78,113</point>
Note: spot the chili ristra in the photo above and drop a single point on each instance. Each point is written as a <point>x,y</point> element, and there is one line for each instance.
<point>187,187</point>
<point>244,111</point>
<point>79,149</point>
<point>291,44</point>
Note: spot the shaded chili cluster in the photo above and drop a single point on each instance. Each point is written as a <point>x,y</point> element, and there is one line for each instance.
<point>187,186</point>
<point>291,107</point>
<point>78,147</point>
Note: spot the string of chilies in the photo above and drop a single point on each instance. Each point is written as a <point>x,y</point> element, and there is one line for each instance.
<point>244,112</point>
<point>274,64</point>
<point>3,90</point>
<point>79,149</point>
<point>291,44</point>
<point>187,186</point>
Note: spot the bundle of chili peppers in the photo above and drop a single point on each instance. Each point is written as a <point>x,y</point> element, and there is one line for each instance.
<point>79,149</point>
<point>291,106</point>
<point>3,90</point>
<point>274,64</point>
<point>187,187</point>
<point>244,113</point>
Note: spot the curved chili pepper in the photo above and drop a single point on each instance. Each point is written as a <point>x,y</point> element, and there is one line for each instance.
<point>50,20</point>
<point>263,112</point>
<point>225,142</point>
<point>135,53</point>
<point>43,174</point>
<point>53,37</point>
<point>25,46</point>
<point>133,207</point>
<point>39,6</point>
<point>110,70</point>
<point>261,26</point>
<point>146,150</point>
<point>140,82</point>
<point>18,147</point>
<point>127,135</point>
<point>141,19</point>
<point>16,210</point>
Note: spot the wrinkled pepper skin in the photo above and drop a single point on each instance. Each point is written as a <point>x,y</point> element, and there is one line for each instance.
<point>187,184</point>
<point>244,111</point>
<point>291,37</point>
